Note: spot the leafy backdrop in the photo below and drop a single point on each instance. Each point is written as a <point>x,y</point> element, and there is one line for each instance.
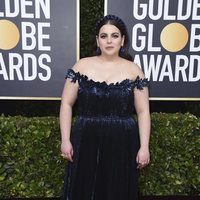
<point>31,165</point>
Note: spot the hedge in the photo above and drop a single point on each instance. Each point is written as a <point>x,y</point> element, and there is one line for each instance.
<point>90,12</point>
<point>31,165</point>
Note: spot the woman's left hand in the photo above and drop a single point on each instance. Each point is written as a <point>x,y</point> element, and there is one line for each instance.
<point>143,158</point>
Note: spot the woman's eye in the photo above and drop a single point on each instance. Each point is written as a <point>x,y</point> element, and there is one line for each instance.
<point>115,36</point>
<point>103,36</point>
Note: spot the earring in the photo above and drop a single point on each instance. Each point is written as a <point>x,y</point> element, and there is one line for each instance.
<point>98,51</point>
<point>122,50</point>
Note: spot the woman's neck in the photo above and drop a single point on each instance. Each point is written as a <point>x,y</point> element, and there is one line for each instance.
<point>110,59</point>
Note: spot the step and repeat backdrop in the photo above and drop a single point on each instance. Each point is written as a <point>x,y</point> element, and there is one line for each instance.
<point>38,43</point>
<point>165,42</point>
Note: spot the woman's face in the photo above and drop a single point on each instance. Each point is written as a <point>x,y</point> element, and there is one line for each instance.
<point>109,40</point>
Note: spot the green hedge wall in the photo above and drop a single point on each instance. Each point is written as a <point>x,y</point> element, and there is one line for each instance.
<point>31,165</point>
<point>90,12</point>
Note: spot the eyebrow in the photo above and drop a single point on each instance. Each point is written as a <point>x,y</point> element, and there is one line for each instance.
<point>111,34</point>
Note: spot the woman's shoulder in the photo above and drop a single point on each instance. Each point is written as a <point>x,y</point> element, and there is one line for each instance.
<point>133,69</point>
<point>83,64</point>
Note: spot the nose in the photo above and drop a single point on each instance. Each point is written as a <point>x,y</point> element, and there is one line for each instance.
<point>109,39</point>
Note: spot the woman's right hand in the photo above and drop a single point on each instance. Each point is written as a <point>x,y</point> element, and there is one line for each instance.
<point>67,150</point>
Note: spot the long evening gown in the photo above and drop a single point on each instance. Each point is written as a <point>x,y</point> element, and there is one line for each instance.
<point>105,140</point>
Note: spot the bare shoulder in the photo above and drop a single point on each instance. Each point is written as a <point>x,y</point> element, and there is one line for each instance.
<point>133,69</point>
<point>83,64</point>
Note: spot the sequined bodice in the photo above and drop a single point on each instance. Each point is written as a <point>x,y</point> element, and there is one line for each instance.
<point>102,99</point>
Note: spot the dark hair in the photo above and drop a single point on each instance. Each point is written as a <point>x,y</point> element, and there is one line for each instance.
<point>116,21</point>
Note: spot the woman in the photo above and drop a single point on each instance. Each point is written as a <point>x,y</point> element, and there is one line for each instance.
<point>104,148</point>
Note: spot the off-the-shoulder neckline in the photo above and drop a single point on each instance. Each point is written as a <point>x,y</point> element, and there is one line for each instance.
<point>126,80</point>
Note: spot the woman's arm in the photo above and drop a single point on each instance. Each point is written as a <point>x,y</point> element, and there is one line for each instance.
<point>69,96</point>
<point>144,123</point>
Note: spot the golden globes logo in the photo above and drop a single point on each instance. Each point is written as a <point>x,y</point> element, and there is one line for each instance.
<point>24,40</point>
<point>174,37</point>
<point>164,44</point>
<point>9,35</point>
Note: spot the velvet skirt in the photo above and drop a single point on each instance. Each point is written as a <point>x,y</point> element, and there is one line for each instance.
<point>104,162</point>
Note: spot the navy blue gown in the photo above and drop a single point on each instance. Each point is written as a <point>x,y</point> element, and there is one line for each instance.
<point>105,140</point>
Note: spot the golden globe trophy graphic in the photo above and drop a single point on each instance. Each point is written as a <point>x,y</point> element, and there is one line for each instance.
<point>9,35</point>
<point>174,37</point>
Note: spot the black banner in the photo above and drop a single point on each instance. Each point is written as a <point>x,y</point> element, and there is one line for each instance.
<point>38,42</point>
<point>165,42</point>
